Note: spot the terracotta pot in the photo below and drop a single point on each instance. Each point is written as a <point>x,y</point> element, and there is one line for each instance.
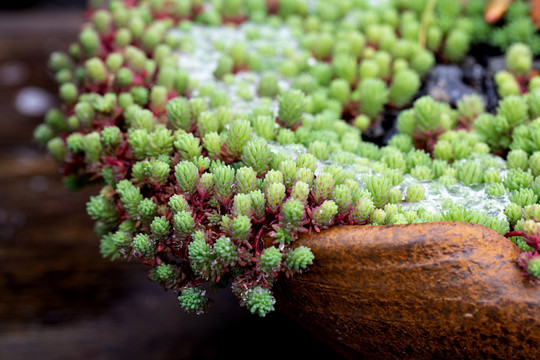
<point>441,290</point>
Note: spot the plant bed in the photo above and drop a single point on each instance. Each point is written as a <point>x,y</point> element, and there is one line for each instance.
<point>222,132</point>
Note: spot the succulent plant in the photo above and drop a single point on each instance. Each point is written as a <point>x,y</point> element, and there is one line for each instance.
<point>208,192</point>
<point>518,78</point>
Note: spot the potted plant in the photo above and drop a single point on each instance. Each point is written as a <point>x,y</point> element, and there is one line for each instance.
<point>240,144</point>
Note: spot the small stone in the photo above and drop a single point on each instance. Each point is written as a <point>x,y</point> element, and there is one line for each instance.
<point>496,64</point>
<point>473,72</point>
<point>445,83</point>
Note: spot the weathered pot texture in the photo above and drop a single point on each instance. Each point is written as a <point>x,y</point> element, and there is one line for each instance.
<point>444,290</point>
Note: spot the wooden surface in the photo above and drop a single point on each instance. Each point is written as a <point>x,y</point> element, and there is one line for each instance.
<point>58,298</point>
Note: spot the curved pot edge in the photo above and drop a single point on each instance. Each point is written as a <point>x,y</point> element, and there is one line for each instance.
<point>419,290</point>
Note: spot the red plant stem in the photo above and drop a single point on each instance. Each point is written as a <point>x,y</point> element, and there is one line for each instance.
<point>514,233</point>
<point>258,238</point>
<point>266,224</point>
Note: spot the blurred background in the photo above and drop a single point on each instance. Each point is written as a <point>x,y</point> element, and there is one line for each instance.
<point>59,299</point>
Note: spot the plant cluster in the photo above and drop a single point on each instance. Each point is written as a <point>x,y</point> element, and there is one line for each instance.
<point>515,26</point>
<point>518,77</point>
<point>452,133</point>
<point>351,58</point>
<point>207,195</point>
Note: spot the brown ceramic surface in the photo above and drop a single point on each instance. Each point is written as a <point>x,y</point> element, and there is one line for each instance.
<point>422,291</point>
